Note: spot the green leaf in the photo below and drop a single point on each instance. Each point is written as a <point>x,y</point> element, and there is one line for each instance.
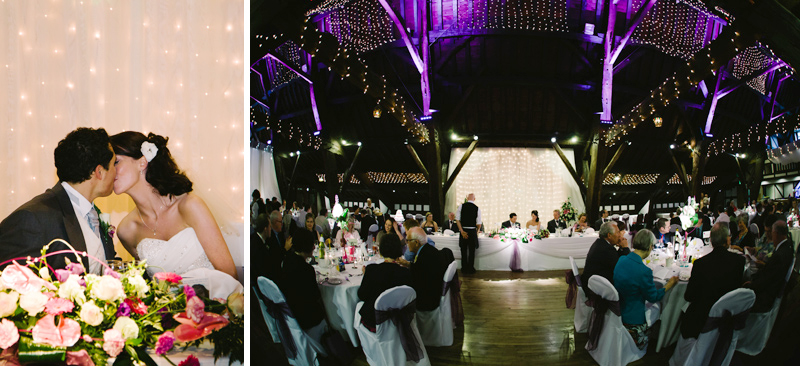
<point>124,359</point>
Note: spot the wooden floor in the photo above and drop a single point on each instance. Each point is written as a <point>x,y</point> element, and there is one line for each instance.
<point>521,319</point>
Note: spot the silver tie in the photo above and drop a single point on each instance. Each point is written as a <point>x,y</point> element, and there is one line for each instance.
<point>94,221</point>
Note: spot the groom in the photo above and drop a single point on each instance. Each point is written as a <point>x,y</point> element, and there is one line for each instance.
<point>85,167</point>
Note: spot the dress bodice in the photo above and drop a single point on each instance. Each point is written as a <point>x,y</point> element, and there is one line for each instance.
<point>180,254</point>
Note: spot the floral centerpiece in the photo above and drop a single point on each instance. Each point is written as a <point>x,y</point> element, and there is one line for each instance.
<point>689,214</point>
<point>68,316</point>
<point>568,212</point>
<point>513,234</point>
<point>543,234</point>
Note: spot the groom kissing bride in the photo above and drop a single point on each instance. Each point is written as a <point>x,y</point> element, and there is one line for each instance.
<point>163,229</point>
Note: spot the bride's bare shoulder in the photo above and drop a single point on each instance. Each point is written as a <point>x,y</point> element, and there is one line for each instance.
<point>191,205</point>
<point>126,231</point>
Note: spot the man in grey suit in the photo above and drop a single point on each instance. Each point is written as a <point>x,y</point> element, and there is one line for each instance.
<point>85,165</point>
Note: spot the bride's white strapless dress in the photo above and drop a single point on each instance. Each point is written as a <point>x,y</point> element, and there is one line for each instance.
<point>180,254</point>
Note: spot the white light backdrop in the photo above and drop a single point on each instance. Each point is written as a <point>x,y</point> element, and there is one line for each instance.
<point>262,174</point>
<point>507,180</point>
<point>168,67</point>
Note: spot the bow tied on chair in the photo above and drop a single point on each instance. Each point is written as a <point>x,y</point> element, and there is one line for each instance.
<point>597,321</point>
<point>279,312</point>
<point>573,283</point>
<point>401,318</point>
<point>457,309</point>
<point>725,324</point>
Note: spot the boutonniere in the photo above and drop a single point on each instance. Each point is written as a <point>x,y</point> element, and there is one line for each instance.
<point>105,223</point>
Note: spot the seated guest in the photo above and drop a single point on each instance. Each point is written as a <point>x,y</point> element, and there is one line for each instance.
<point>603,218</point>
<point>511,222</point>
<point>299,282</point>
<point>408,256</point>
<point>311,226</point>
<point>427,270</point>
<point>322,221</point>
<point>389,227</point>
<point>277,246</point>
<point>429,225</point>
<point>765,244</point>
<point>450,224</point>
<point>745,240</point>
<point>634,282</point>
<point>722,216</point>
<point>347,233</point>
<point>713,276</point>
<point>381,277</point>
<point>602,256</point>
<point>534,223</point>
<point>259,251</point>
<point>581,225</point>
<point>769,281</point>
<point>662,234</point>
<point>556,223</point>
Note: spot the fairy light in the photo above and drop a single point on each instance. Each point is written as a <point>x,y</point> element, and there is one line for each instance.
<point>644,179</point>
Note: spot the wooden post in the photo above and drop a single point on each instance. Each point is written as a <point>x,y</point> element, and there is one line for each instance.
<point>460,165</point>
<point>349,172</point>
<point>418,161</point>
<point>698,167</point>
<point>435,192</point>
<point>331,176</point>
<point>572,171</point>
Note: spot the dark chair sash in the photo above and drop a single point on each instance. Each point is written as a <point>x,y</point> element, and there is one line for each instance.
<point>401,318</point>
<point>572,289</point>
<point>279,312</point>
<point>456,308</point>
<point>597,320</point>
<point>726,324</point>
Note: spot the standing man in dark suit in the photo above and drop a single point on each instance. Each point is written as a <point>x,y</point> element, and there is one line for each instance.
<point>427,270</point>
<point>511,222</point>
<point>768,282</point>
<point>366,221</point>
<point>450,224</point>
<point>468,219</point>
<point>85,167</point>
<point>603,218</point>
<point>603,256</point>
<point>556,223</point>
<point>713,276</point>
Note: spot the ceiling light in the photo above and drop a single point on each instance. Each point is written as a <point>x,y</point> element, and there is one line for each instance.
<point>671,146</point>
<point>574,139</point>
<point>475,137</point>
<point>657,121</point>
<point>553,140</point>
<point>376,112</point>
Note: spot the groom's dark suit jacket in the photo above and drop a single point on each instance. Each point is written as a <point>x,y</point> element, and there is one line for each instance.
<point>46,217</point>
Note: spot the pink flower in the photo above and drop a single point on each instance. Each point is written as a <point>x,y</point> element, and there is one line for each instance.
<point>189,330</point>
<point>137,306</point>
<point>66,334</point>
<point>189,291</point>
<point>168,276</point>
<point>165,343</point>
<point>190,361</point>
<point>113,342</point>
<point>87,338</point>
<point>80,358</point>
<point>111,272</point>
<point>75,268</point>
<point>58,306</point>
<point>195,309</point>
<point>62,275</point>
<point>9,334</point>
<point>22,279</point>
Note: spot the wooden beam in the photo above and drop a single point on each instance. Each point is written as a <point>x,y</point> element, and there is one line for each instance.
<point>424,45</point>
<point>418,161</point>
<point>435,193</point>
<point>349,171</point>
<point>571,169</point>
<point>661,182</point>
<point>291,179</point>
<point>403,34</point>
<point>331,176</point>
<point>374,190</point>
<point>607,86</point>
<point>728,89</point>
<point>681,172</point>
<point>459,166</point>
<point>442,60</point>
<point>614,159</point>
<point>640,14</point>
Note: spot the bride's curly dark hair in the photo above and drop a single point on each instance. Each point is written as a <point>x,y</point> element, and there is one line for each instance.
<point>162,171</point>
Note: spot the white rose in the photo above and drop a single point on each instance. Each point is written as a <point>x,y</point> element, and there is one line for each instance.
<point>72,289</point>
<point>105,218</point>
<point>33,302</point>
<point>44,273</point>
<point>91,314</point>
<point>8,303</point>
<point>108,288</point>
<point>91,279</point>
<point>127,327</point>
<point>139,285</point>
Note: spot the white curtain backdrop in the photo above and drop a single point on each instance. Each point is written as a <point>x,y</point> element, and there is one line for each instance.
<point>262,174</point>
<point>518,180</point>
<point>169,67</point>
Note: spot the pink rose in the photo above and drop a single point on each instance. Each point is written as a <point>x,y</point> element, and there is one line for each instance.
<point>165,343</point>
<point>195,309</point>
<point>22,279</point>
<point>66,334</point>
<point>168,276</point>
<point>8,303</point>
<point>58,306</point>
<point>113,342</point>
<point>9,334</point>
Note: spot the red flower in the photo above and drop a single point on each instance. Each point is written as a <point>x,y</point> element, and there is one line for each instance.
<point>137,306</point>
<point>190,361</point>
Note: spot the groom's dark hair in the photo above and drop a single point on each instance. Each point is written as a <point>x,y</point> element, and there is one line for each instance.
<point>78,154</point>
<point>162,171</point>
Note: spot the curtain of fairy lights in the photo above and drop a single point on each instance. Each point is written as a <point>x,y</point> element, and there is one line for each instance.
<point>518,180</point>
<point>173,68</point>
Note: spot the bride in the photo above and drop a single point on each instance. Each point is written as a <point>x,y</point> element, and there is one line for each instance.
<point>171,227</point>
<point>534,223</point>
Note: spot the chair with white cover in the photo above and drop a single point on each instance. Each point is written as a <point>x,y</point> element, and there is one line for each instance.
<point>301,349</point>
<point>614,345</point>
<point>727,314</point>
<point>271,325</point>
<point>582,311</point>
<point>759,325</point>
<point>372,232</point>
<point>385,346</point>
<point>436,326</point>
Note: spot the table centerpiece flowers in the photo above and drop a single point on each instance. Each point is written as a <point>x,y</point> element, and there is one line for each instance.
<point>568,212</point>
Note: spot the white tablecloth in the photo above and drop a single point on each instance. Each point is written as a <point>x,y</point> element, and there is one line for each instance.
<point>340,300</point>
<point>537,255</point>
<point>671,308</point>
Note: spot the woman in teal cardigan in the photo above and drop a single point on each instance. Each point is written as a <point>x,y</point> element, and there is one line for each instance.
<point>634,283</point>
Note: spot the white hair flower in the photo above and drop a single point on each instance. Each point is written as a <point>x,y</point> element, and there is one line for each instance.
<point>149,150</point>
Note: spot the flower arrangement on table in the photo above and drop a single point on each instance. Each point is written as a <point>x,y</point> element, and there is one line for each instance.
<point>542,234</point>
<point>568,212</point>
<point>514,234</point>
<point>791,219</point>
<point>67,316</point>
<point>689,214</point>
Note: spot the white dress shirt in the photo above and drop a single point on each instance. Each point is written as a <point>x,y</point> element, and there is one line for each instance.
<point>94,246</point>
<point>477,220</point>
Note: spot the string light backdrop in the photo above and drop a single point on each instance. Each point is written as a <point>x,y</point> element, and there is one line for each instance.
<point>507,180</point>
<point>173,68</point>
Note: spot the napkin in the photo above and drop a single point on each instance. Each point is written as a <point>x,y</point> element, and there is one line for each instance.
<point>662,273</point>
